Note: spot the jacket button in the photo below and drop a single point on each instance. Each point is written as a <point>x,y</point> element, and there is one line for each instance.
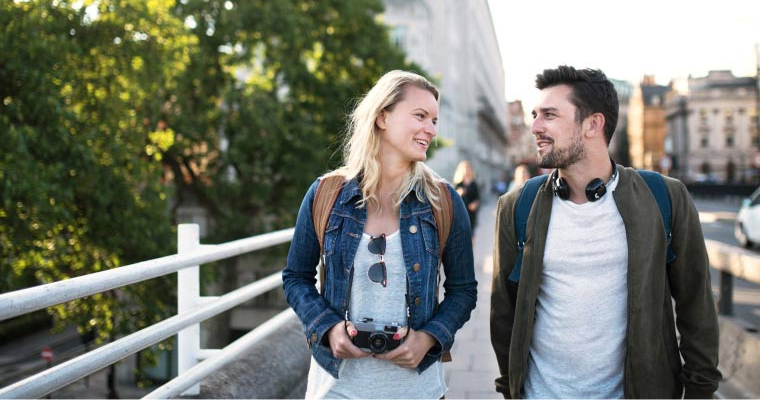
<point>417,301</point>
<point>314,338</point>
<point>413,229</point>
<point>416,267</point>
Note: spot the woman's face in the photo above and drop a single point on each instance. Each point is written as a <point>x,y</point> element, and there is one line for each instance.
<point>407,131</point>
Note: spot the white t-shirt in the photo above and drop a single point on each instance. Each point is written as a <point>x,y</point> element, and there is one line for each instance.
<point>369,377</point>
<point>579,338</point>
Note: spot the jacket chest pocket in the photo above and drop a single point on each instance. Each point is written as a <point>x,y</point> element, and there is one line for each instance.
<point>331,250</point>
<point>429,235</point>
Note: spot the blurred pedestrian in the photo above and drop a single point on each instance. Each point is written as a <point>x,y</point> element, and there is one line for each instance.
<point>467,187</point>
<point>522,174</point>
<point>380,254</point>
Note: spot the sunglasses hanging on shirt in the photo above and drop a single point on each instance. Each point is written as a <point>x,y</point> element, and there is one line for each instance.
<point>377,272</point>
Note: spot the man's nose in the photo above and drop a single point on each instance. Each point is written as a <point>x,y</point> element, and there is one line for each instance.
<point>536,126</point>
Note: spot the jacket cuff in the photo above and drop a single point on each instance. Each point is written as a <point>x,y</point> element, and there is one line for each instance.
<point>444,340</point>
<point>695,392</point>
<point>502,386</point>
<point>318,332</point>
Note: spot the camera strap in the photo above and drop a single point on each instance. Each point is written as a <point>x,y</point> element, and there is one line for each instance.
<point>347,301</point>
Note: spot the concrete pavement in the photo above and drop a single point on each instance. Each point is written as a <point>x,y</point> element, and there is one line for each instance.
<point>471,373</point>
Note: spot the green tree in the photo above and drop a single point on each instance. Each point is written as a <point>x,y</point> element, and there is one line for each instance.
<point>269,92</point>
<point>82,89</point>
<point>113,112</point>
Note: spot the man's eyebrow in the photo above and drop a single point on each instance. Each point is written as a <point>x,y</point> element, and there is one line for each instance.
<point>548,109</point>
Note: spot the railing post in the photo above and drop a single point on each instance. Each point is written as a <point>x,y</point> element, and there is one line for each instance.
<point>726,300</point>
<point>188,298</point>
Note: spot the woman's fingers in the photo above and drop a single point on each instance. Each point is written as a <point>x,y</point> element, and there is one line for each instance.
<point>351,329</point>
<point>340,342</point>
<point>401,333</point>
<point>410,353</point>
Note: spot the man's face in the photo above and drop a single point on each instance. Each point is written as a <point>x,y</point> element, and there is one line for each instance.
<point>559,139</point>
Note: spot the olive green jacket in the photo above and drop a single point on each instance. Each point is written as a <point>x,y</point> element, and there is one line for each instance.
<point>653,366</point>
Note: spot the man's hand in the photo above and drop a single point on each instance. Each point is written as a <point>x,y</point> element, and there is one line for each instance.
<point>409,353</point>
<point>340,341</point>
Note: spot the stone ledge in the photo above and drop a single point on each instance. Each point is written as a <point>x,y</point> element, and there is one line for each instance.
<point>276,368</point>
<point>739,361</point>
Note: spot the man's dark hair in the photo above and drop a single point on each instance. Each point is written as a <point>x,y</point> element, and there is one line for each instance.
<point>591,92</point>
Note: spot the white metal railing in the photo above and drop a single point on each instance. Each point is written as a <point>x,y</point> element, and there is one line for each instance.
<point>732,262</point>
<point>192,309</point>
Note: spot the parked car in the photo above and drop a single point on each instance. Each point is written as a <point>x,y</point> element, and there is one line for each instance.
<point>747,228</point>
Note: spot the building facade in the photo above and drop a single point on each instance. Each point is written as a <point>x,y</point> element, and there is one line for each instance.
<point>646,125</point>
<point>522,144</point>
<point>713,129</point>
<point>454,41</point>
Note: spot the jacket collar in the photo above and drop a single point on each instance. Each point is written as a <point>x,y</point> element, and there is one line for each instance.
<point>352,191</point>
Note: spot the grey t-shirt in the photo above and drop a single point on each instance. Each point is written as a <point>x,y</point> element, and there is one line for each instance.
<point>369,377</point>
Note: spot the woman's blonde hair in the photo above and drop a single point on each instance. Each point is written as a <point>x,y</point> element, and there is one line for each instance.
<point>361,148</point>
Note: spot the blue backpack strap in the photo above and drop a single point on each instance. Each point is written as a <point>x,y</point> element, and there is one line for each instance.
<point>522,211</point>
<point>657,185</point>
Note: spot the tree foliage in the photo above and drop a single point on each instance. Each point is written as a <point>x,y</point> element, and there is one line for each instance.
<point>80,156</point>
<point>113,112</point>
<point>285,73</point>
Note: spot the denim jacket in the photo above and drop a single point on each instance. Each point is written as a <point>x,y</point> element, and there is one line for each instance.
<point>419,239</point>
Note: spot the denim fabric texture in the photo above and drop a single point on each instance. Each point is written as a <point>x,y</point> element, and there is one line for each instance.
<point>419,238</point>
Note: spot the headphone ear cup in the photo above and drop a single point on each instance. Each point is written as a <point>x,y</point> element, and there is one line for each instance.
<point>560,188</point>
<point>595,189</point>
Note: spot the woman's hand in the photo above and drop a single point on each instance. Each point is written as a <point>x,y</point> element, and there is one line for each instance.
<point>411,351</point>
<point>340,341</point>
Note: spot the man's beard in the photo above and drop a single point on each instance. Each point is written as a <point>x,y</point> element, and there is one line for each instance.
<point>564,157</point>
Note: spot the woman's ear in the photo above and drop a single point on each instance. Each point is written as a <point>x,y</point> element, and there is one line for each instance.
<point>380,120</point>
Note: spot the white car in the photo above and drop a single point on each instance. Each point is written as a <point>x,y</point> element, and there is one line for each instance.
<point>747,228</point>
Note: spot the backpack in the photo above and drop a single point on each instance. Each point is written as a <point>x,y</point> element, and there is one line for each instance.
<point>329,188</point>
<point>528,194</point>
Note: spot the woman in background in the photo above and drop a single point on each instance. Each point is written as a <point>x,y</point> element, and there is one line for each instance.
<point>467,187</point>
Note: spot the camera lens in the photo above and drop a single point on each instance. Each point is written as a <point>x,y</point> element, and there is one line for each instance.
<point>378,342</point>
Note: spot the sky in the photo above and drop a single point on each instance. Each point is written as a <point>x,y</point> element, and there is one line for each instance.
<point>625,39</point>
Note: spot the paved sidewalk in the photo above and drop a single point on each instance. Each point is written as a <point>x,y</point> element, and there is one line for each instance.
<point>472,372</point>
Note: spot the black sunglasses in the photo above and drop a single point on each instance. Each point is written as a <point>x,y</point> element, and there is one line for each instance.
<point>376,272</point>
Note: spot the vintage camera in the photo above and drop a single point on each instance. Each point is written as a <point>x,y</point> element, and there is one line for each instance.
<point>376,337</point>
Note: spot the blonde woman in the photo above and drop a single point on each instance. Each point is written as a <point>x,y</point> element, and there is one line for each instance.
<point>381,256</point>
<point>467,187</point>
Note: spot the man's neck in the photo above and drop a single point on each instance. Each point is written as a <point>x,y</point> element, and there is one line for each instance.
<point>581,173</point>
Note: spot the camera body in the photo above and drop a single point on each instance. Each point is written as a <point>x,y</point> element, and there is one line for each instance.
<point>376,337</point>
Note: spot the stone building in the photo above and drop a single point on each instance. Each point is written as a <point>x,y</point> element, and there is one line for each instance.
<point>455,42</point>
<point>713,128</point>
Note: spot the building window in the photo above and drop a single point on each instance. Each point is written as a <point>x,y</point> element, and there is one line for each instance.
<point>729,131</point>
<point>704,142</point>
<point>398,36</point>
<point>729,115</point>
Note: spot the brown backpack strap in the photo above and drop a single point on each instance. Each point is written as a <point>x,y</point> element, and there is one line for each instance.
<point>444,217</point>
<point>327,192</point>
